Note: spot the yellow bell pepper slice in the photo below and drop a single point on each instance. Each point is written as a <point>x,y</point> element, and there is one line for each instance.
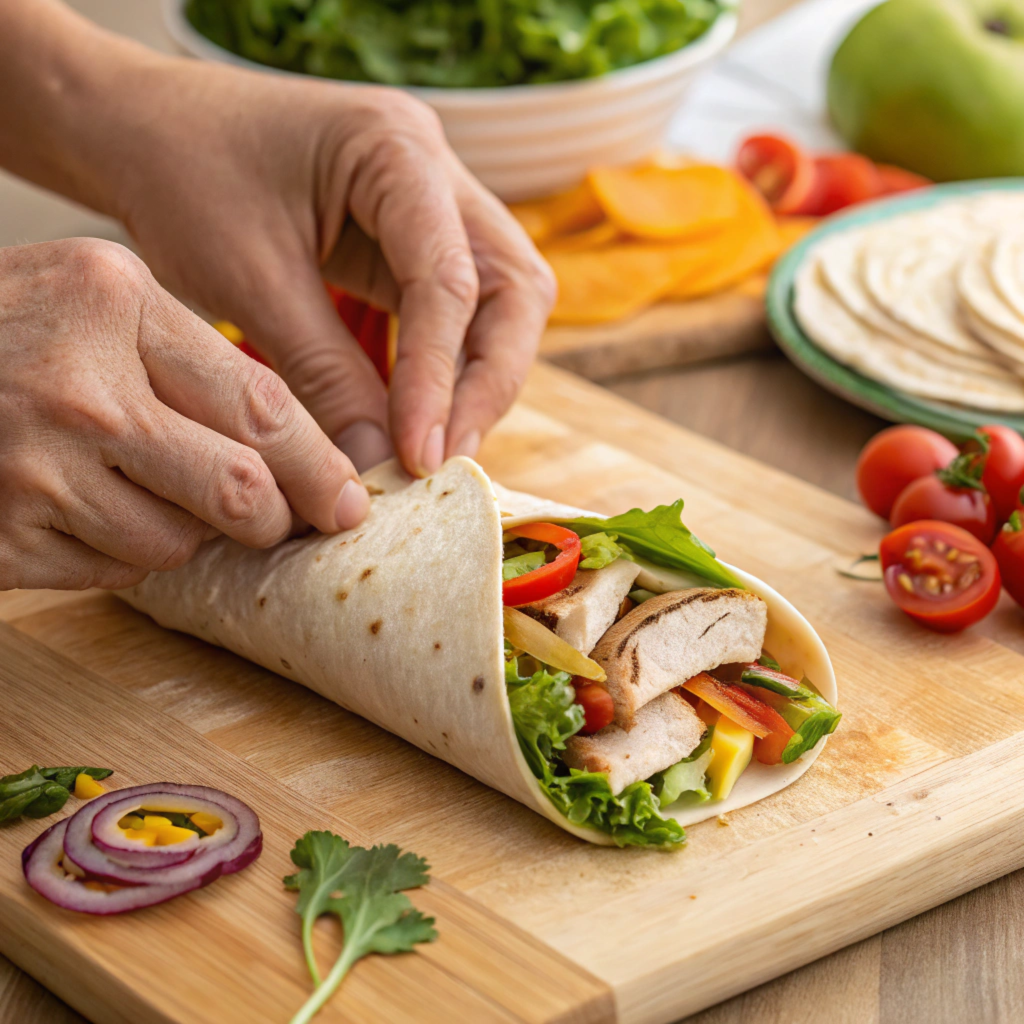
<point>86,787</point>
<point>209,823</point>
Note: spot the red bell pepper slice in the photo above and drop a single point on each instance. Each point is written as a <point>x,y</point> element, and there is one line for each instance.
<point>747,711</point>
<point>550,578</point>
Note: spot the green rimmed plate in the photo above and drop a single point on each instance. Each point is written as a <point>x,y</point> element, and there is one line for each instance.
<point>890,404</point>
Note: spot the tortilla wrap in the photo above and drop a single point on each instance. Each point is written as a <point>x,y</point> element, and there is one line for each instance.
<point>400,621</point>
<point>1007,269</point>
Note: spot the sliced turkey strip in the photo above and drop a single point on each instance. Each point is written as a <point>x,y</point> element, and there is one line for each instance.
<point>664,731</point>
<point>582,612</point>
<point>672,637</point>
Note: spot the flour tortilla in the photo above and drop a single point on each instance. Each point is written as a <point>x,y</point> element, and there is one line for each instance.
<point>1007,269</point>
<point>983,307</point>
<point>854,343</point>
<point>840,259</point>
<point>400,621</point>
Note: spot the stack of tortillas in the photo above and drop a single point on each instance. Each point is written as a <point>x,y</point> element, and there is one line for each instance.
<point>929,302</point>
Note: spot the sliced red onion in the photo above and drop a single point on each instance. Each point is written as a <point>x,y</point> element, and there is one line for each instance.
<point>42,862</point>
<point>214,856</point>
<point>108,836</point>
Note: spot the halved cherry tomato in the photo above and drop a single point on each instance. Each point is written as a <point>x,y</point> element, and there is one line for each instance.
<point>781,171</point>
<point>549,578</point>
<point>1003,475</point>
<point>596,701</point>
<point>940,575</point>
<point>843,179</point>
<point>895,179</point>
<point>936,497</point>
<point>896,457</point>
<point>1009,554</point>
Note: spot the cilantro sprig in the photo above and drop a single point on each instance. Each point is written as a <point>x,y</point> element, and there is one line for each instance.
<point>365,888</point>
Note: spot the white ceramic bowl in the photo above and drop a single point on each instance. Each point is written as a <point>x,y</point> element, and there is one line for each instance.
<point>525,141</point>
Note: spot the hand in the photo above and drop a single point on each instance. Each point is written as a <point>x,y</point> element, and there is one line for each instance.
<point>243,190</point>
<point>130,430</point>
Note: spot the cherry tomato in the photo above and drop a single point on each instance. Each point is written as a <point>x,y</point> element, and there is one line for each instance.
<point>895,179</point>
<point>940,575</point>
<point>596,701</point>
<point>550,578</point>
<point>781,171</point>
<point>1003,475</point>
<point>896,457</point>
<point>1009,553</point>
<point>843,179</point>
<point>929,498</point>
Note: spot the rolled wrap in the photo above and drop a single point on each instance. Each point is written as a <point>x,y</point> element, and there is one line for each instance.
<point>400,621</point>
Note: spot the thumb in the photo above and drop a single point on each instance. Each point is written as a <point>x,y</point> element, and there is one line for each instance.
<point>298,328</point>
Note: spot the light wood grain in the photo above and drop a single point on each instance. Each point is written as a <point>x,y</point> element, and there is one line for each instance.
<point>905,808</point>
<point>667,334</point>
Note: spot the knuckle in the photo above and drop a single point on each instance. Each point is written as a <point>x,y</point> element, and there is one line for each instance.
<point>456,275</point>
<point>88,413</point>
<point>114,576</point>
<point>240,490</point>
<point>103,267</point>
<point>270,407</point>
<point>178,547</point>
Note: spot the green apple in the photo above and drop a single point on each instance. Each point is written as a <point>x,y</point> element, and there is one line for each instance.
<point>936,86</point>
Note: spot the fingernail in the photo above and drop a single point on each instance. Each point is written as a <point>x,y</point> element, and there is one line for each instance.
<point>433,450</point>
<point>353,504</point>
<point>365,444</point>
<point>469,445</point>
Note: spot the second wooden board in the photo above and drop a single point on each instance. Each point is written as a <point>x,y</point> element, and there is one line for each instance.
<point>913,802</point>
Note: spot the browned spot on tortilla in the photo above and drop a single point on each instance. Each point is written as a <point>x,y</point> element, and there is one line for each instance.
<point>437,647</point>
<point>417,529</point>
<point>341,595</point>
<point>372,491</point>
<point>685,598</point>
<point>444,494</point>
<point>478,684</point>
<point>366,573</point>
<point>445,735</point>
<point>262,601</point>
<point>375,626</point>
<point>430,481</point>
<point>318,558</point>
<point>357,538</point>
<point>416,721</point>
<point>342,543</point>
<point>415,508</point>
<point>286,665</point>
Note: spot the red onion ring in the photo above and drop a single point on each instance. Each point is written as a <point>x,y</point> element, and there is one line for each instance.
<point>242,844</point>
<point>41,862</point>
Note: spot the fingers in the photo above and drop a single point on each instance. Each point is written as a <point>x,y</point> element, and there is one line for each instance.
<point>296,322</point>
<point>407,203</point>
<point>517,291</point>
<point>119,519</point>
<point>52,560</point>
<point>207,380</point>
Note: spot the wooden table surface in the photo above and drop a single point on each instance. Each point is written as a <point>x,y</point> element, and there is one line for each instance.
<point>955,963</point>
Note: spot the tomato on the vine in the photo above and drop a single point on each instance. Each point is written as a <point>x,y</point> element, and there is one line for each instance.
<point>1003,475</point>
<point>780,170</point>
<point>940,575</point>
<point>896,457</point>
<point>970,508</point>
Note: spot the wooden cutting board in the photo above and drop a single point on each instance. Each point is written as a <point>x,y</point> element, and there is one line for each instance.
<point>915,800</point>
<point>668,334</point>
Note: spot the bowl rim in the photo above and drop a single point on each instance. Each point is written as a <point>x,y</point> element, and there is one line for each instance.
<point>715,38</point>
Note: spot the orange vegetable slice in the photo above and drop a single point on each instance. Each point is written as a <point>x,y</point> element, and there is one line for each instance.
<point>661,202</point>
<point>563,214</point>
<point>792,229</point>
<point>596,237</point>
<point>746,245</point>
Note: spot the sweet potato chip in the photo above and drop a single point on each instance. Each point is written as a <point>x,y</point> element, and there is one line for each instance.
<point>572,211</point>
<point>593,238</point>
<point>792,229</point>
<point>746,245</point>
<point>660,202</point>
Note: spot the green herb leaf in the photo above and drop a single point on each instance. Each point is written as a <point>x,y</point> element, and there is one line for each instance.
<point>364,887</point>
<point>661,537</point>
<point>39,792</point>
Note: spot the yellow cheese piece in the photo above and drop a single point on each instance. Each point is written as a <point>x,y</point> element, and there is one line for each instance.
<point>86,787</point>
<point>209,823</point>
<point>156,821</point>
<point>733,748</point>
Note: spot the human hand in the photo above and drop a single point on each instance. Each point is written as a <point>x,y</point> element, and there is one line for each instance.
<point>130,430</point>
<point>244,190</point>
